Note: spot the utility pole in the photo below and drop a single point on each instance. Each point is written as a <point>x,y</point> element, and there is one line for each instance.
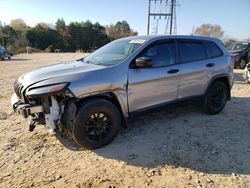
<point>165,9</point>
<point>157,26</point>
<point>171,21</point>
<point>149,6</point>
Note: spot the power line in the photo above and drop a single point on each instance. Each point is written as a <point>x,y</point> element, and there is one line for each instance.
<point>165,9</point>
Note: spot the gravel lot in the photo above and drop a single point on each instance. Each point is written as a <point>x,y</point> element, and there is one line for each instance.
<point>177,148</point>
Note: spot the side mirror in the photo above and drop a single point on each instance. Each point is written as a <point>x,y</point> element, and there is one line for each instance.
<point>143,62</point>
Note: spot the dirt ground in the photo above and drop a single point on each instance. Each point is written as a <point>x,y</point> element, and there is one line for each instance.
<point>177,148</point>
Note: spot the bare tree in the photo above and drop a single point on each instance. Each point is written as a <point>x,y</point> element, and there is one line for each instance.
<point>228,42</point>
<point>209,30</point>
<point>18,25</point>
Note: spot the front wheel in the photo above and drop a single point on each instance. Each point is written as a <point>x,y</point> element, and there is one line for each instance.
<point>97,123</point>
<point>215,98</point>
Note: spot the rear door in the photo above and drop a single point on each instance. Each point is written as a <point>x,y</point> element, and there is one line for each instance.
<point>195,68</point>
<point>155,85</point>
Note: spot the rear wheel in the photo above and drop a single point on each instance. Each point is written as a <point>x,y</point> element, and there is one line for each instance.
<point>242,63</point>
<point>96,124</point>
<point>215,98</point>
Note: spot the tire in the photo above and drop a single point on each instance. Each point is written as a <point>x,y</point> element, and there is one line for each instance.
<point>242,63</point>
<point>96,124</point>
<point>215,98</point>
<point>67,141</point>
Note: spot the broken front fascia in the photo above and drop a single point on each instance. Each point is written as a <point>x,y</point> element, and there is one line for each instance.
<point>49,105</point>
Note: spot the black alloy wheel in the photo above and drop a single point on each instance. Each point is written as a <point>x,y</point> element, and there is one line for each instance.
<point>97,123</point>
<point>216,98</point>
<point>242,63</point>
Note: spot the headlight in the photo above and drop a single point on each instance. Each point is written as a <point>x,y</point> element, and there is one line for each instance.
<point>46,90</point>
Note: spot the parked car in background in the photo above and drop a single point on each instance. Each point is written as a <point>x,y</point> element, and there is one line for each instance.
<point>246,73</point>
<point>58,51</point>
<point>90,99</point>
<point>4,54</point>
<point>8,55</point>
<point>240,53</point>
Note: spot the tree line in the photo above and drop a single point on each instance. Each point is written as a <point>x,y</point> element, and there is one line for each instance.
<point>78,36</point>
<point>83,36</point>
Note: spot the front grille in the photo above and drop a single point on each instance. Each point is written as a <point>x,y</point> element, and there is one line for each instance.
<point>18,89</point>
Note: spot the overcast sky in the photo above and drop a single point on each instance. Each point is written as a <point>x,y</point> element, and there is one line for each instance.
<point>232,15</point>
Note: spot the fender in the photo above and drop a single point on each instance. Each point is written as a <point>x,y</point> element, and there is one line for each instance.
<point>119,95</point>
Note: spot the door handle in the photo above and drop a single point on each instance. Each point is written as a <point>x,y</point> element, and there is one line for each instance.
<point>210,65</point>
<point>173,71</point>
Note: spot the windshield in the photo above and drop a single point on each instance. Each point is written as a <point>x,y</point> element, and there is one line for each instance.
<point>114,52</point>
<point>238,46</point>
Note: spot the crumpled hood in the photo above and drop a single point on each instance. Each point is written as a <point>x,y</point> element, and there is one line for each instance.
<point>56,71</point>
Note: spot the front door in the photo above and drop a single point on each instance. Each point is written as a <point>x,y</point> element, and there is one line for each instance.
<point>152,86</point>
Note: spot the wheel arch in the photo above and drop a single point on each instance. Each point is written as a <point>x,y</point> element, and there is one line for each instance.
<point>222,78</point>
<point>111,97</point>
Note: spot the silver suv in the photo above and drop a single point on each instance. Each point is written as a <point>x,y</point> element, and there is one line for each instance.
<point>89,99</point>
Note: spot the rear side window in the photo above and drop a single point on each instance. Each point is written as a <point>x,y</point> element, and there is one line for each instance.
<point>192,51</point>
<point>213,50</point>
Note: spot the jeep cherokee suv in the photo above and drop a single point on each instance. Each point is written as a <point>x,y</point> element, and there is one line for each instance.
<point>89,99</point>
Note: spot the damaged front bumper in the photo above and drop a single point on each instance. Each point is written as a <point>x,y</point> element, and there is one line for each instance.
<point>23,109</point>
<point>40,104</point>
<point>50,111</point>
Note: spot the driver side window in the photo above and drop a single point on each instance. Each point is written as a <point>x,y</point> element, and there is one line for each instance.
<point>162,54</point>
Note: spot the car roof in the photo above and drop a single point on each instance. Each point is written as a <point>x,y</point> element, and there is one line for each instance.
<point>155,37</point>
<point>152,38</point>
